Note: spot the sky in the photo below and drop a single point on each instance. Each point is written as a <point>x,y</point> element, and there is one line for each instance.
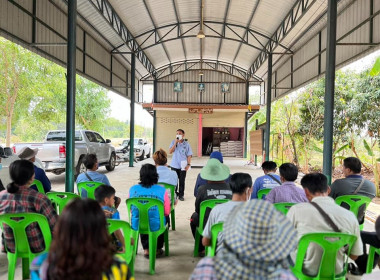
<point>120,106</point>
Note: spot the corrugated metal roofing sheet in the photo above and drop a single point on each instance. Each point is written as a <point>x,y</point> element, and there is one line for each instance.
<point>236,32</point>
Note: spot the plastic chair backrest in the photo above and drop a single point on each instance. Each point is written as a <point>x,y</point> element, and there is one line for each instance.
<point>128,232</point>
<point>283,207</point>
<point>262,193</point>
<point>38,184</point>
<point>356,203</point>
<point>18,223</point>
<point>60,199</point>
<point>210,203</point>
<point>89,187</point>
<point>371,258</point>
<point>144,204</point>
<point>171,189</point>
<point>330,243</point>
<point>215,230</point>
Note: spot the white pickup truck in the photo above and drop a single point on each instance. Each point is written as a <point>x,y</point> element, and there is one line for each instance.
<point>53,151</point>
<point>141,147</point>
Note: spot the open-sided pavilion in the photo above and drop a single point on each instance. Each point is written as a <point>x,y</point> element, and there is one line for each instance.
<point>279,45</point>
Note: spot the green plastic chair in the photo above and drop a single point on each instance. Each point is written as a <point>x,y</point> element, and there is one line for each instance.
<point>283,207</point>
<point>371,258</point>
<point>130,251</point>
<point>330,243</point>
<point>215,230</point>
<point>210,203</point>
<point>144,204</point>
<point>261,193</point>
<point>355,202</point>
<point>171,188</point>
<point>38,184</point>
<point>60,199</point>
<point>18,223</point>
<point>89,187</point>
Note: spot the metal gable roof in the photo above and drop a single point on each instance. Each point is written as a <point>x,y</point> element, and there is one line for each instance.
<point>162,33</point>
<point>166,29</point>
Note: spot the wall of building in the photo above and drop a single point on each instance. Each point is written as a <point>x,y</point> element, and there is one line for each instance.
<point>169,121</point>
<point>212,93</point>
<point>167,124</point>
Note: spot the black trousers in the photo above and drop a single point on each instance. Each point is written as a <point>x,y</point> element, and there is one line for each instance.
<point>369,238</point>
<point>145,241</point>
<point>160,239</point>
<point>194,222</point>
<point>180,188</point>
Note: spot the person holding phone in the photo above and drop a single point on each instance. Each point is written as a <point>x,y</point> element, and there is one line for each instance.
<point>181,160</point>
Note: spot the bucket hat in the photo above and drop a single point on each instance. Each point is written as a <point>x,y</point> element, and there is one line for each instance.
<point>258,240</point>
<point>217,155</point>
<point>27,153</point>
<point>214,170</point>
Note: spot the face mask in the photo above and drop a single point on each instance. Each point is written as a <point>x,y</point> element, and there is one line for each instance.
<point>248,195</point>
<point>179,136</point>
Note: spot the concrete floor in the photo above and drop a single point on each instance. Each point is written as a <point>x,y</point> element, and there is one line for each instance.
<point>180,263</point>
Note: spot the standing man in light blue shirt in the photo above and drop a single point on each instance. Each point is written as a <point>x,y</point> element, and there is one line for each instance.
<point>181,160</point>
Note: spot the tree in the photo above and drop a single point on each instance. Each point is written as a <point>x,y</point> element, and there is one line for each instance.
<point>17,70</point>
<point>92,104</point>
<point>365,107</point>
<point>345,90</point>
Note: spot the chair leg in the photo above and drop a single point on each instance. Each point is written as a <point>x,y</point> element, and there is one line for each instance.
<point>196,243</point>
<point>25,268</point>
<point>12,261</point>
<point>172,214</point>
<point>370,260</point>
<point>131,266</point>
<point>152,252</point>
<point>166,236</point>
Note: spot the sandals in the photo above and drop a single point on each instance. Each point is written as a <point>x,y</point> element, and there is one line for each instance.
<point>159,253</point>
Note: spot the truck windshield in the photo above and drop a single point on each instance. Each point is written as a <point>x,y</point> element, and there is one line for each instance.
<point>135,142</point>
<point>61,136</point>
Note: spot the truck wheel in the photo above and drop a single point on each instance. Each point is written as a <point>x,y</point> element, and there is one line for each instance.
<point>112,163</point>
<point>142,155</point>
<point>80,168</point>
<point>148,155</point>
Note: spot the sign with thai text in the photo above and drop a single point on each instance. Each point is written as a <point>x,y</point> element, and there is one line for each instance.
<point>201,110</point>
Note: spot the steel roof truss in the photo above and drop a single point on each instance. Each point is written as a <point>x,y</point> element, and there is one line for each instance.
<point>298,10</point>
<point>109,14</point>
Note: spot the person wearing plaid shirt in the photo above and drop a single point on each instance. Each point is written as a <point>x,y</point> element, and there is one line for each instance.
<point>19,198</point>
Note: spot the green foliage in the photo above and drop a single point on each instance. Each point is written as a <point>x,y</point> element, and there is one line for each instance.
<point>368,148</point>
<point>92,104</point>
<point>259,116</point>
<point>33,99</point>
<point>364,109</point>
<point>376,68</point>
